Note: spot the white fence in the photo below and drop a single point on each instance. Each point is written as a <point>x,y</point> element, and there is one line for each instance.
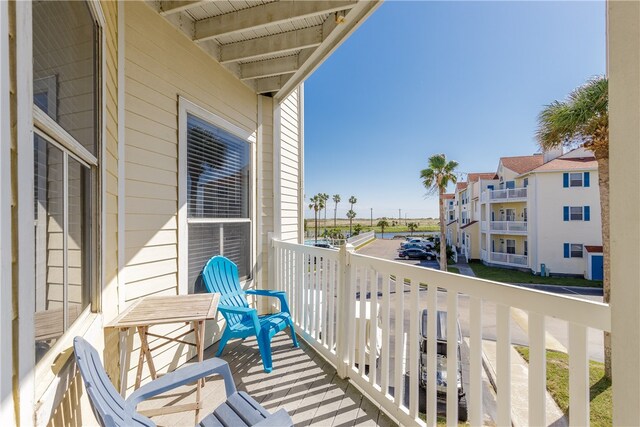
<point>505,258</point>
<point>505,194</point>
<point>361,238</point>
<point>327,289</point>
<point>509,226</point>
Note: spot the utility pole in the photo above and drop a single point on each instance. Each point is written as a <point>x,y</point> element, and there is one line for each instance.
<point>399,214</point>
<point>371,216</point>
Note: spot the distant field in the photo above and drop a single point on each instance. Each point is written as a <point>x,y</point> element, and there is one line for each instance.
<point>424,224</point>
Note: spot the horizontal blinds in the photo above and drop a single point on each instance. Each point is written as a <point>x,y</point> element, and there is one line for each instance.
<point>217,172</point>
<point>218,164</point>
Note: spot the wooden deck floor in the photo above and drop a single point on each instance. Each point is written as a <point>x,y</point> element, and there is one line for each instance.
<point>301,381</point>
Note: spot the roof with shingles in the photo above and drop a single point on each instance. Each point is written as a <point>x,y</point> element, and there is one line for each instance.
<point>447,196</point>
<point>561,164</point>
<point>475,176</point>
<point>461,185</point>
<point>522,164</point>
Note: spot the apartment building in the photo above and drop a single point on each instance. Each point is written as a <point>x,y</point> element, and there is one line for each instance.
<point>539,212</point>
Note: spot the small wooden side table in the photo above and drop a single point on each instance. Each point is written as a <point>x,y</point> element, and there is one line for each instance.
<point>159,310</point>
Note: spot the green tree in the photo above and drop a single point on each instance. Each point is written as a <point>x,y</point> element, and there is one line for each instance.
<point>382,224</point>
<point>351,214</point>
<point>435,178</point>
<point>325,199</point>
<point>357,229</point>
<point>412,227</point>
<point>336,200</point>
<point>583,120</point>
<point>317,204</point>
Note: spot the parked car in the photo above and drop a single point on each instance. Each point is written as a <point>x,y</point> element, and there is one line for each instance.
<point>416,253</point>
<point>441,370</point>
<point>417,242</point>
<point>324,245</point>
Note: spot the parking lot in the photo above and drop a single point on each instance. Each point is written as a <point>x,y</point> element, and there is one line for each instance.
<point>388,249</point>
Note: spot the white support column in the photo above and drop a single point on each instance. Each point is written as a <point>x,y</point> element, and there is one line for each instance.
<point>26,261</point>
<point>345,314</point>
<point>121,162</point>
<point>623,26</point>
<point>6,335</point>
<point>277,168</point>
<point>301,164</point>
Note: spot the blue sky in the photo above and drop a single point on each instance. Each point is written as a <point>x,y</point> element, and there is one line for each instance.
<point>463,78</point>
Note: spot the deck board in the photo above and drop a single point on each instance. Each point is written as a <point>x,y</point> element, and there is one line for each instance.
<point>302,382</point>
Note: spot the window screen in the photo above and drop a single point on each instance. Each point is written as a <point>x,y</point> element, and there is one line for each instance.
<point>576,250</point>
<point>576,213</point>
<point>575,179</point>
<point>218,164</point>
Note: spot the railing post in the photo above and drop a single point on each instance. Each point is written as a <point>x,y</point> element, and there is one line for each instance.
<point>345,315</point>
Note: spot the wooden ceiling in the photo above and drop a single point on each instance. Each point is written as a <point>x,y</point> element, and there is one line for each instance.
<point>272,46</point>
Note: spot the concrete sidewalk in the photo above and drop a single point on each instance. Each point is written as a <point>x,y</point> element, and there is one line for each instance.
<point>519,387</point>
<point>519,371</point>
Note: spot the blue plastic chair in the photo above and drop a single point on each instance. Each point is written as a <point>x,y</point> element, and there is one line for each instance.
<point>221,275</point>
<point>111,410</point>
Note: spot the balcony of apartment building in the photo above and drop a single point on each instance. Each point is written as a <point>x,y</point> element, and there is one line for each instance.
<point>506,221</point>
<point>504,195</point>
<point>506,250</point>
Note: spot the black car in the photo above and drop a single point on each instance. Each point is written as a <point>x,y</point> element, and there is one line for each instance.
<point>416,253</point>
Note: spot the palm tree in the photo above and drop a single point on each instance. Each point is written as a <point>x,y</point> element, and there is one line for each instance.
<point>412,227</point>
<point>382,224</point>
<point>436,177</point>
<point>325,199</point>
<point>336,200</point>
<point>583,120</point>
<point>351,214</point>
<point>317,204</point>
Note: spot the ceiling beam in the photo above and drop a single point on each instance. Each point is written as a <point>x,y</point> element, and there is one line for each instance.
<point>270,45</point>
<point>261,16</point>
<point>270,84</point>
<point>269,67</point>
<point>331,41</point>
<point>175,6</point>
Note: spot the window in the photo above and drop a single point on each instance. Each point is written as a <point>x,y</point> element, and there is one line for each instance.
<point>524,214</point>
<point>511,246</point>
<point>573,250</point>
<point>525,182</point>
<point>575,213</point>
<point>218,212</point>
<point>575,179</point>
<point>511,214</point>
<point>526,248</point>
<point>66,140</point>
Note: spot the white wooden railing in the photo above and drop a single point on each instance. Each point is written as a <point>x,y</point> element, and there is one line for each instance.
<point>505,194</point>
<point>509,226</point>
<point>505,258</point>
<point>327,289</point>
<point>361,238</point>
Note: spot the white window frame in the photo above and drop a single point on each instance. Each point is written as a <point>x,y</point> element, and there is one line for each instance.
<point>571,245</point>
<point>571,208</point>
<point>580,174</point>
<point>38,383</point>
<point>507,245</point>
<point>185,108</point>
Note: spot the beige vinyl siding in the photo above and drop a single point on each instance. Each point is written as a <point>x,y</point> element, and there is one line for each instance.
<point>290,137</point>
<point>265,185</point>
<point>162,64</point>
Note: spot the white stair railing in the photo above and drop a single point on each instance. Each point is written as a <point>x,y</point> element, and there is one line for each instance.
<point>356,310</point>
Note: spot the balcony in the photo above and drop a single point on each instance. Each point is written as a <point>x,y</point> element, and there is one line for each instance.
<point>508,259</point>
<point>508,227</point>
<point>506,195</point>
<point>327,289</point>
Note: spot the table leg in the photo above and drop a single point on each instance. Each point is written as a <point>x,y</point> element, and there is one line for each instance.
<point>122,335</point>
<point>145,353</point>
<point>198,329</point>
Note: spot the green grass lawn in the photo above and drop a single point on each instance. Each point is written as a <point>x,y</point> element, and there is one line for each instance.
<point>453,270</point>
<point>600,394</point>
<point>514,276</point>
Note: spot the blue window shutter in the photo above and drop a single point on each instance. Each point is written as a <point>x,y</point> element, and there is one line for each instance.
<point>587,213</point>
<point>586,179</point>
<point>567,250</point>
<point>565,180</point>
<point>565,211</point>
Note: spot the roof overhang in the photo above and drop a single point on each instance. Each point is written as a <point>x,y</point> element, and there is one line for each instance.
<point>272,46</point>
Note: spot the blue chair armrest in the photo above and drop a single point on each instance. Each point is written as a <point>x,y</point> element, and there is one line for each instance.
<point>265,292</point>
<point>281,295</point>
<point>182,376</point>
<point>278,419</point>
